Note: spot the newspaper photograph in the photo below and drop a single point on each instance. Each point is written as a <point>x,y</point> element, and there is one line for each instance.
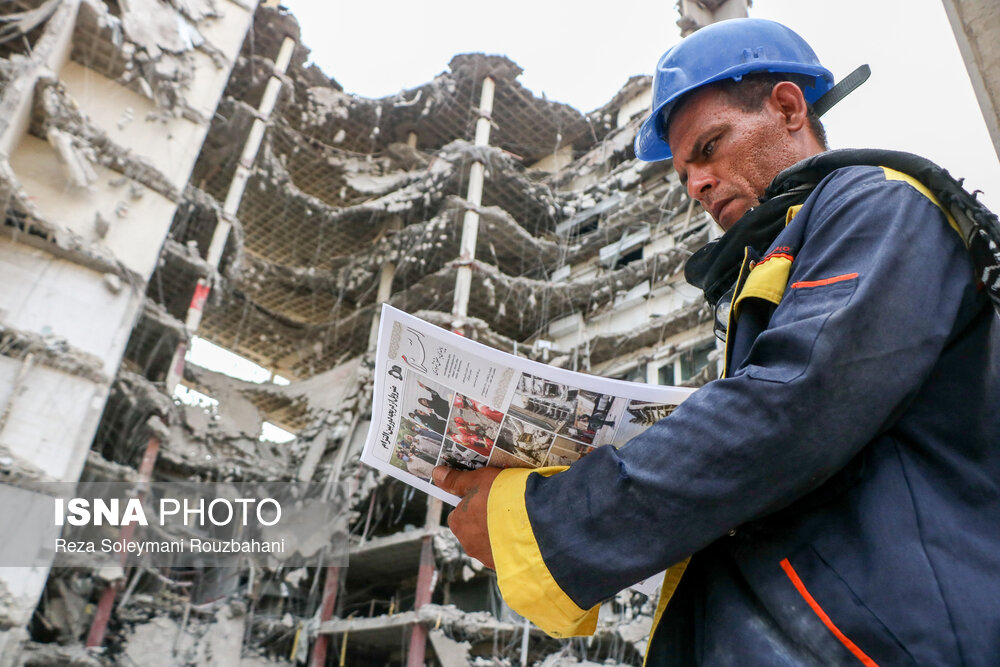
<point>442,399</point>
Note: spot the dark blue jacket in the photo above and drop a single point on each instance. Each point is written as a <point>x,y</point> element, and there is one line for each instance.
<point>839,489</point>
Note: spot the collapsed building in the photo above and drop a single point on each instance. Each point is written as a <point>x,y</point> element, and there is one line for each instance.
<point>178,172</point>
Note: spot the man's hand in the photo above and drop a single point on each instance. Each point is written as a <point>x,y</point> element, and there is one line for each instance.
<point>468,520</point>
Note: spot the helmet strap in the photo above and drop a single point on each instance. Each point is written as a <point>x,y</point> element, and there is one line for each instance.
<point>843,88</point>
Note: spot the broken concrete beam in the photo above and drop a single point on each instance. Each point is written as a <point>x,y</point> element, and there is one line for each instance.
<point>55,108</point>
<point>143,394</point>
<point>188,257</point>
<point>98,467</point>
<point>47,53</point>
<point>605,348</point>
<point>371,630</point>
<point>449,652</point>
<point>77,162</point>
<point>52,351</point>
<point>156,315</point>
<point>48,655</point>
<point>473,625</point>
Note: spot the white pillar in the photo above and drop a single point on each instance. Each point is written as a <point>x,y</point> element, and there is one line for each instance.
<point>696,15</point>
<point>231,205</point>
<point>470,224</point>
<point>384,292</point>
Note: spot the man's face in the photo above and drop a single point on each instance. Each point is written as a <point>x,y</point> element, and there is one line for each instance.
<point>726,156</point>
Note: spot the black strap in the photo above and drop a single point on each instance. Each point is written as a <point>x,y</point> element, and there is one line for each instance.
<point>843,88</point>
<point>713,268</point>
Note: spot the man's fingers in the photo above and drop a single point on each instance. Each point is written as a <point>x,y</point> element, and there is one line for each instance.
<point>451,480</point>
<point>462,482</point>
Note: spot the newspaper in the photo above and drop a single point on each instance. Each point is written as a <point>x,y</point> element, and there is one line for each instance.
<point>442,399</point>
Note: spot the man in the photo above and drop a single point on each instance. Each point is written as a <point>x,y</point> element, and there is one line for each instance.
<point>835,497</point>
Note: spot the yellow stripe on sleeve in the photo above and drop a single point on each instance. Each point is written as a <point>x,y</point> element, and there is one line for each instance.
<point>893,175</point>
<point>524,580</point>
<point>671,581</point>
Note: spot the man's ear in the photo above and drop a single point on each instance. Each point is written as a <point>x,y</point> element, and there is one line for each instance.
<point>788,99</point>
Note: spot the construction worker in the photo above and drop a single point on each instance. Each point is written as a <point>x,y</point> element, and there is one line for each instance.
<point>834,498</point>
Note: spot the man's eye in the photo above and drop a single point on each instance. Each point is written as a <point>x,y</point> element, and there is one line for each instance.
<point>709,148</point>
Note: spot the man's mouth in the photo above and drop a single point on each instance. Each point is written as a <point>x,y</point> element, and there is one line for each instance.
<point>716,209</point>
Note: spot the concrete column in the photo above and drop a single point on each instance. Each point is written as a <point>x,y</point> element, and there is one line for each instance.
<point>252,145</point>
<point>386,276</point>
<point>460,310</point>
<point>976,24</point>
<point>231,206</point>
<point>384,292</point>
<point>425,581</point>
<point>330,588</point>
<point>697,14</point>
<point>470,223</point>
<point>95,637</point>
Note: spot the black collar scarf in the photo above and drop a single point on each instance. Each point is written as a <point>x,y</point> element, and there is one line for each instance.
<point>715,267</point>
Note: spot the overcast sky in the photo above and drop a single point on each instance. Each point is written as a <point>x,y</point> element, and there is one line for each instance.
<point>918,99</point>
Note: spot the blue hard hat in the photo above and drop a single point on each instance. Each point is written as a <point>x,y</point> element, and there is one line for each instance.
<point>725,50</point>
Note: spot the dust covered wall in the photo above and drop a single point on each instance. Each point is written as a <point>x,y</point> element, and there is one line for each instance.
<point>103,109</point>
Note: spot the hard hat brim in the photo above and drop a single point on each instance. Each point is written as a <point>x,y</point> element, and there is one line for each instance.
<point>651,143</point>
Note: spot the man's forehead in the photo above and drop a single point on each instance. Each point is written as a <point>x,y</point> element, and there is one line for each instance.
<point>695,113</point>
<point>700,113</point>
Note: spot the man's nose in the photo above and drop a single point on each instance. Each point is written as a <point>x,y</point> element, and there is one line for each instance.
<point>700,183</point>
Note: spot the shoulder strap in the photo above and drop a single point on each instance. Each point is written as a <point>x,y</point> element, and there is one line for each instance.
<point>979,227</point>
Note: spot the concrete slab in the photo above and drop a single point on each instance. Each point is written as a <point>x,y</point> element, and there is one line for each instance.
<point>52,296</point>
<point>51,418</point>
<point>136,218</point>
<point>169,144</point>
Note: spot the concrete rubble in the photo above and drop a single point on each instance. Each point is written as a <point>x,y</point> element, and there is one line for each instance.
<point>143,209</point>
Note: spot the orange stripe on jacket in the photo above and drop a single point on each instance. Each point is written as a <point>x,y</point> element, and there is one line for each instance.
<point>784,255</point>
<point>801,588</point>
<point>825,281</point>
